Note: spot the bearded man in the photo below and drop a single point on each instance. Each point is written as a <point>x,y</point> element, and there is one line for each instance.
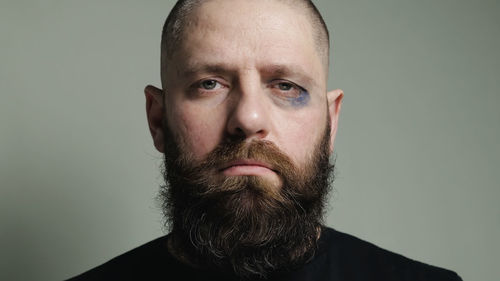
<point>247,127</point>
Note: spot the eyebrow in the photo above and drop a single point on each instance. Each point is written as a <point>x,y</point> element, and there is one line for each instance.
<point>193,69</point>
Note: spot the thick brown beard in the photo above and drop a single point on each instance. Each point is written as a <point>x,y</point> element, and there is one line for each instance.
<point>245,225</point>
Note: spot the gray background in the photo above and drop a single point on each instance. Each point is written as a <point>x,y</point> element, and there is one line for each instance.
<point>418,151</point>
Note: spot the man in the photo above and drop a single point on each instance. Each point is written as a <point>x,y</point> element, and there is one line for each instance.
<point>247,126</point>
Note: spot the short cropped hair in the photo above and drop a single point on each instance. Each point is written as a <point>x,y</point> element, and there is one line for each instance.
<point>176,21</point>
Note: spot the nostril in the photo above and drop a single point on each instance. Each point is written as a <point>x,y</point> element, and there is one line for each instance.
<point>235,137</point>
<point>239,132</point>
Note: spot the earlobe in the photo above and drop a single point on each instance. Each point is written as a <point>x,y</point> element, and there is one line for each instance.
<point>334,99</point>
<point>155,113</point>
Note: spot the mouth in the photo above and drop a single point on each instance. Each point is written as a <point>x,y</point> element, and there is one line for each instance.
<point>247,167</point>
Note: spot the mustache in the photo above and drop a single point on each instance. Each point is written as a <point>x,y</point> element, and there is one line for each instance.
<point>262,151</point>
<point>258,150</point>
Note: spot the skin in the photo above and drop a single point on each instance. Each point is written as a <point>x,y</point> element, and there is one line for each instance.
<point>249,69</point>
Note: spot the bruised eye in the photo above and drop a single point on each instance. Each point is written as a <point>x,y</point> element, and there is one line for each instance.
<point>287,89</point>
<point>291,92</point>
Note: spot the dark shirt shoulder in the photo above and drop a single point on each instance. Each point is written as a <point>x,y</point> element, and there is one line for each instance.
<point>142,263</point>
<point>355,259</point>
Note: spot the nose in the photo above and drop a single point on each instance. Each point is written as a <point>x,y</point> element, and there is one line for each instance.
<point>248,117</point>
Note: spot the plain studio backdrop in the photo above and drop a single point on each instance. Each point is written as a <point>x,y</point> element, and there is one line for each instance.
<point>417,152</point>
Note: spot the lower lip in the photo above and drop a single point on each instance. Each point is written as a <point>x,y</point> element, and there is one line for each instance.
<point>247,170</point>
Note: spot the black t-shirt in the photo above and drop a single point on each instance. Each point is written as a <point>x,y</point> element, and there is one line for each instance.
<point>339,257</point>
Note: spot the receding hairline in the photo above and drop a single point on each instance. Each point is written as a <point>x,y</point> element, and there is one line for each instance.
<point>178,19</point>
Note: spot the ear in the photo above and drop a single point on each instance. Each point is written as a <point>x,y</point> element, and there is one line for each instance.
<point>155,113</point>
<point>334,99</point>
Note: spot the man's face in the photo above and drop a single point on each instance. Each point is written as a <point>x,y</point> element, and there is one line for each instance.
<point>246,127</point>
<point>251,69</point>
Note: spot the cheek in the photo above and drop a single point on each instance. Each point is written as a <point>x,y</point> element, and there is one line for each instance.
<point>197,130</point>
<point>301,137</point>
<point>298,146</point>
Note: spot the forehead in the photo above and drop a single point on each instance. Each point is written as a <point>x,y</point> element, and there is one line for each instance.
<point>249,33</point>
<point>250,14</point>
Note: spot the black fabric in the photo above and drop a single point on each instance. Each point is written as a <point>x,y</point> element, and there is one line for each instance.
<point>340,257</point>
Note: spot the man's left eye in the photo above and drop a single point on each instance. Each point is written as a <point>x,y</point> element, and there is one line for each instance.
<point>284,86</point>
<point>287,89</point>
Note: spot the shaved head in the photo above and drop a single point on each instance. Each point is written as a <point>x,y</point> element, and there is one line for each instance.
<point>180,18</point>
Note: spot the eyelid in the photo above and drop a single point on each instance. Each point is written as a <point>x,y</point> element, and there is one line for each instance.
<point>275,82</point>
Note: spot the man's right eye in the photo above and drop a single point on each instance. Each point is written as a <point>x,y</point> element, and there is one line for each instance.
<point>209,84</point>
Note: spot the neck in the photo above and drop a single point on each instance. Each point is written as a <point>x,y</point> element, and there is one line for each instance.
<point>178,251</point>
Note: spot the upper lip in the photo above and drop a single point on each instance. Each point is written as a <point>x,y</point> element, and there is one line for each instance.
<point>248,162</point>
